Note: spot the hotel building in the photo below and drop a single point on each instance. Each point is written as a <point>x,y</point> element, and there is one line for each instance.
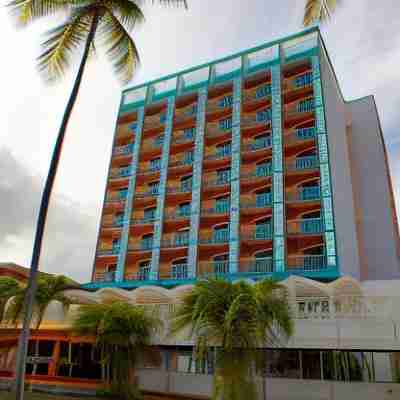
<point>248,167</point>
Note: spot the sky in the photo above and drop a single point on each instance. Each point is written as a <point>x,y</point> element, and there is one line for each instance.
<point>363,40</point>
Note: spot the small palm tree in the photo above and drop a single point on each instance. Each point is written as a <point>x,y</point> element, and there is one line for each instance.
<point>236,319</point>
<point>106,21</point>
<point>122,334</point>
<point>318,11</point>
<point>9,288</point>
<point>49,288</point>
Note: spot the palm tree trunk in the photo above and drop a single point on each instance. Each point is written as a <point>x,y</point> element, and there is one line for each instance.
<point>41,222</point>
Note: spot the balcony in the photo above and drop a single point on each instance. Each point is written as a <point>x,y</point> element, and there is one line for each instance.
<point>311,263</point>
<point>219,155</point>
<point>216,130</point>
<point>305,106</point>
<point>113,222</point>
<point>179,161</point>
<point>142,275</point>
<point>306,226</point>
<point>179,271</point>
<point>154,121</point>
<point>257,265</point>
<point>305,193</point>
<point>116,197</point>
<point>151,192</point>
<point>300,135</point>
<point>123,150</point>
<point>144,221</point>
<point>214,181</point>
<point>118,173</point>
<point>259,93</point>
<point>185,136</point>
<point>298,82</point>
<point>183,188</point>
<point>179,240</point>
<point>219,209</point>
<point>215,238</point>
<point>104,276</point>
<point>257,201</point>
<point>177,214</point>
<point>259,144</point>
<point>257,232</point>
<point>213,268</point>
<point>149,169</point>
<point>303,164</point>
<point>143,245</point>
<point>220,104</point>
<point>262,171</point>
<point>185,113</point>
<point>114,251</point>
<point>259,118</point>
<point>153,144</point>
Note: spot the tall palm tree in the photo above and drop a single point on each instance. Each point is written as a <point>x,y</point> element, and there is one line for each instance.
<point>9,287</point>
<point>236,319</point>
<point>107,21</point>
<point>123,334</point>
<point>49,288</point>
<point>318,11</point>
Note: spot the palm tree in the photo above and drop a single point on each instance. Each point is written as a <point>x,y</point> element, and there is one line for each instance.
<point>235,319</point>
<point>108,21</point>
<point>9,287</point>
<point>318,11</point>
<point>122,333</point>
<point>49,288</point>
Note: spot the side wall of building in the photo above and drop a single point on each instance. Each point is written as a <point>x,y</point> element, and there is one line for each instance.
<point>345,217</point>
<point>374,195</point>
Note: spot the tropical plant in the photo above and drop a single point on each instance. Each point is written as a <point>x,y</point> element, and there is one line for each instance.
<point>49,288</point>
<point>9,287</point>
<point>85,20</point>
<point>235,319</point>
<point>318,11</point>
<point>122,333</point>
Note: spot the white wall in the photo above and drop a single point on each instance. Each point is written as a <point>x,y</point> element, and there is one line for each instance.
<point>343,205</point>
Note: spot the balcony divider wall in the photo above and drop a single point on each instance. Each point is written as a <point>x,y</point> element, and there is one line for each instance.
<point>159,219</point>
<point>234,224</point>
<point>279,248</point>
<point>197,182</point>
<point>120,272</point>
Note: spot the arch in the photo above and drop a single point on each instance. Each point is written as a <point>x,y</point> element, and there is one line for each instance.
<point>262,188</point>
<point>345,285</point>
<point>308,180</point>
<point>311,151</point>
<point>304,287</point>
<point>305,213</point>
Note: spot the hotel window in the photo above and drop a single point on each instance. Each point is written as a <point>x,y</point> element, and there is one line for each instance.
<point>264,169</point>
<point>304,80</point>
<point>221,234</point>
<point>163,118</point>
<point>263,261</point>
<point>159,140</point>
<point>122,193</point>
<point>305,133</point>
<point>133,126</point>
<point>144,270</point>
<point>222,205</point>
<point>263,91</point>
<point>188,157</point>
<point>224,149</point>
<point>184,209</point>
<point>225,124</point>
<point>119,219</point>
<point>186,183</point>
<point>155,164</point>
<point>263,230</point>
<point>116,245</point>
<point>182,238</point>
<point>188,133</point>
<point>223,175</point>
<point>147,242</point>
<point>150,214</point>
<point>225,101</point>
<point>221,264</point>
<point>264,198</point>
<point>305,105</point>
<point>179,269</point>
<point>263,115</point>
<point>262,142</point>
<point>153,187</point>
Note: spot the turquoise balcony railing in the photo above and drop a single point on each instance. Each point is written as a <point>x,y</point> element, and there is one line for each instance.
<point>179,271</point>
<point>257,232</point>
<point>259,144</point>
<point>218,237</point>
<point>183,188</point>
<point>261,171</point>
<point>258,265</point>
<point>118,221</point>
<point>116,197</point>
<point>143,221</point>
<point>305,133</point>
<point>148,193</point>
<point>109,252</point>
<point>303,163</point>
<point>303,80</point>
<point>142,275</point>
<point>209,268</point>
<point>305,193</point>
<point>223,208</point>
<point>146,244</point>
<point>309,226</point>
<point>263,200</point>
<point>312,263</point>
<point>220,154</point>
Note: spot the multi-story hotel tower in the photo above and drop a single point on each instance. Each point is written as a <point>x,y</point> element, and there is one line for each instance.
<point>249,166</point>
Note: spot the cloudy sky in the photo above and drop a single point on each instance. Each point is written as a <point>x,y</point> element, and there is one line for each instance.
<point>363,41</point>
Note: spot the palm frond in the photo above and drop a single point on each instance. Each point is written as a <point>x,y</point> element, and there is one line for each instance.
<point>27,11</point>
<point>60,45</point>
<point>127,12</point>
<point>120,47</point>
<point>318,11</point>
